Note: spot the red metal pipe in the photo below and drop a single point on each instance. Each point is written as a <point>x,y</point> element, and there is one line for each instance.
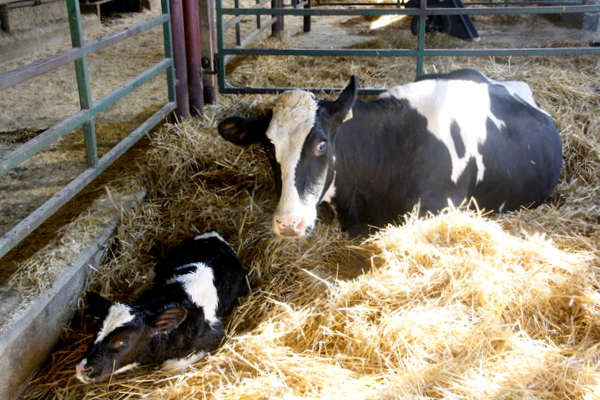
<point>179,59</point>
<point>194,58</point>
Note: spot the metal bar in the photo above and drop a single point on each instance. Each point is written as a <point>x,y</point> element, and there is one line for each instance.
<point>35,219</point>
<point>426,52</point>
<point>278,26</point>
<point>83,83</point>
<point>416,11</point>
<point>498,3</point>
<point>51,135</point>
<point>179,56</point>
<point>168,44</point>
<point>32,70</point>
<point>208,49</point>
<point>191,20</point>
<point>249,39</point>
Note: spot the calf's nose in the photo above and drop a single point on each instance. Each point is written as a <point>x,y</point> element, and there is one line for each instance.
<point>289,225</point>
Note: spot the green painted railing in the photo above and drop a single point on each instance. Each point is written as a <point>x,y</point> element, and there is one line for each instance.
<point>89,109</point>
<point>225,54</point>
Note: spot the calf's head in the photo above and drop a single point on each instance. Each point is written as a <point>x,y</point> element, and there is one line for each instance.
<point>298,137</point>
<point>123,341</point>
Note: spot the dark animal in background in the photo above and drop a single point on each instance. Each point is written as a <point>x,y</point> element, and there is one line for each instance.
<point>441,140</point>
<point>175,323</point>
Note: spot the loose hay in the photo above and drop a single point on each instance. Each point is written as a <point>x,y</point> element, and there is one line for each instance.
<point>456,306</point>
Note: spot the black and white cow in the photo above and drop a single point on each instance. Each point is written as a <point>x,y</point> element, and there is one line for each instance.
<point>439,141</point>
<point>175,323</point>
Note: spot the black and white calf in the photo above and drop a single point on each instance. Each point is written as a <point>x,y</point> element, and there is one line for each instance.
<point>175,323</point>
<point>441,140</point>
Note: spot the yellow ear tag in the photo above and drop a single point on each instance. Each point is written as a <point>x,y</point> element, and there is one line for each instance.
<point>348,116</point>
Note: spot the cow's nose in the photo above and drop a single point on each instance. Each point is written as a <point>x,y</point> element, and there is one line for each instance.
<point>289,225</point>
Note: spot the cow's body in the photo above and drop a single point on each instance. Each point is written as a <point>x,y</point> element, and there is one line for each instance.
<point>177,322</point>
<point>441,140</point>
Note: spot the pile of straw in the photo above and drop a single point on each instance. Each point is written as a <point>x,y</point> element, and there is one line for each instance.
<point>460,305</point>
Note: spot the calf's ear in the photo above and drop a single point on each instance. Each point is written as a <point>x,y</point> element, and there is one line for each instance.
<point>244,131</point>
<point>98,305</point>
<point>169,319</point>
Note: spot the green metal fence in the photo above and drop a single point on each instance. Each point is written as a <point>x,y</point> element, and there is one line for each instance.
<point>225,53</point>
<point>89,109</point>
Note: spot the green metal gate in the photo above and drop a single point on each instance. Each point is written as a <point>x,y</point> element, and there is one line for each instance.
<point>89,109</point>
<point>269,8</point>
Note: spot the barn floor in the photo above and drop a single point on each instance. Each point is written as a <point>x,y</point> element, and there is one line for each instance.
<point>349,32</point>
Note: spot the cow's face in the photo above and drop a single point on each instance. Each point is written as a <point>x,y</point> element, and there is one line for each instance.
<point>299,132</point>
<point>123,341</point>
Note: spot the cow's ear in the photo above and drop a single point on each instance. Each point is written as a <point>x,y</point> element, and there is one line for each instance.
<point>98,305</point>
<point>340,110</point>
<point>169,319</point>
<point>244,131</point>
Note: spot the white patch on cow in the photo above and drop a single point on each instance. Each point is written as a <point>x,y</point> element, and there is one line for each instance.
<point>520,91</point>
<point>208,235</point>
<point>330,190</point>
<point>176,364</point>
<point>126,368</point>
<point>294,116</point>
<point>118,315</point>
<point>200,286</point>
<point>443,102</point>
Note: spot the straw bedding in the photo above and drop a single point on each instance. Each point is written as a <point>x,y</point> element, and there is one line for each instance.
<point>460,305</point>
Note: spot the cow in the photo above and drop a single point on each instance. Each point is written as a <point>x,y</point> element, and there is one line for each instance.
<point>443,140</point>
<point>178,321</point>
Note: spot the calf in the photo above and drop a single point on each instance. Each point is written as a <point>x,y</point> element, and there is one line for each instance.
<point>175,323</point>
<point>441,140</point>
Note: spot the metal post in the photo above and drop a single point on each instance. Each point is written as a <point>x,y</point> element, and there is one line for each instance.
<point>277,27</point>
<point>193,58</point>
<point>179,58</point>
<point>307,21</point>
<point>208,49</point>
<point>83,83</point>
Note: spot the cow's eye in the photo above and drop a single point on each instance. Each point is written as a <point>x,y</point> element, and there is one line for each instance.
<point>321,147</point>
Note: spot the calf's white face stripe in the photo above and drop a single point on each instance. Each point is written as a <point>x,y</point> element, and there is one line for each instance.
<point>200,286</point>
<point>293,118</point>
<point>118,315</point>
<point>208,235</point>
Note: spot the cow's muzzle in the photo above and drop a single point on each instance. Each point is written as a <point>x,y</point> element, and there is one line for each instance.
<point>289,225</point>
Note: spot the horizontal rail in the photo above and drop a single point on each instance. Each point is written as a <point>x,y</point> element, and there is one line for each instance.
<point>36,218</point>
<point>51,135</point>
<point>415,11</point>
<point>32,70</point>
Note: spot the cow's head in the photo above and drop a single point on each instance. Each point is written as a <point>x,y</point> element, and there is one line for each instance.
<point>123,341</point>
<point>298,136</point>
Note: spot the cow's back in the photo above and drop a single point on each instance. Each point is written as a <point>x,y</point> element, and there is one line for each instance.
<point>437,141</point>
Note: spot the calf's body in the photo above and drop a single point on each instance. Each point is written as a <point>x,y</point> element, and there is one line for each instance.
<point>175,323</point>
<point>445,139</point>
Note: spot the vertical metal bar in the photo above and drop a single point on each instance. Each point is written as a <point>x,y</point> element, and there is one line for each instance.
<point>83,83</point>
<point>220,46</point>
<point>168,42</point>
<point>277,27</point>
<point>208,49</point>
<point>307,20</point>
<point>179,55</point>
<point>194,63</point>
<point>421,41</point>
<point>238,26</point>
<point>258,23</point>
